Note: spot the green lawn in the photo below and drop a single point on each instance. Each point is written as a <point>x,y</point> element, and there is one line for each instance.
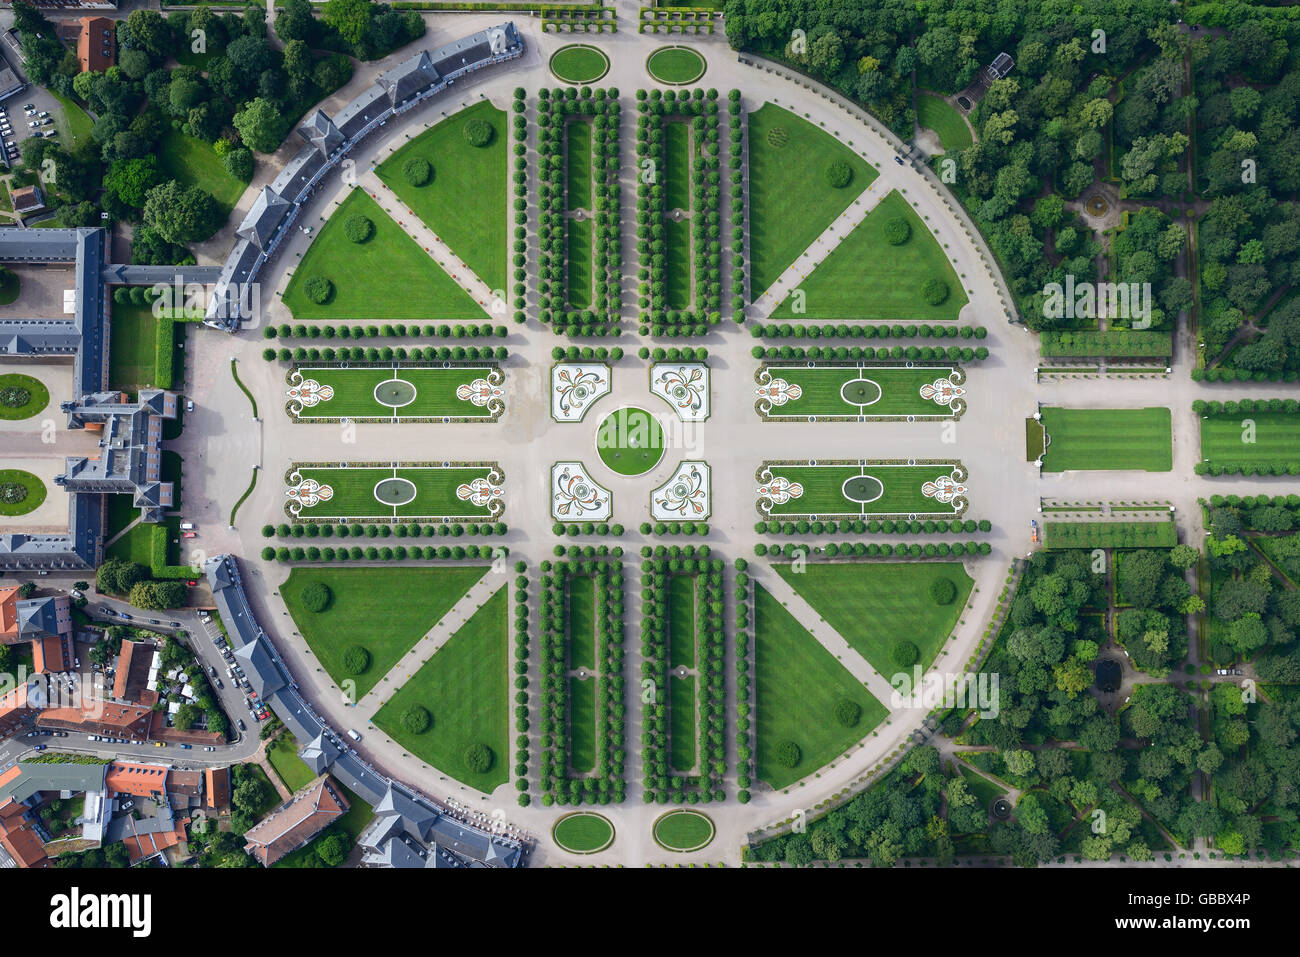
<point>435,493</point>
<point>578,178</point>
<point>577,169</point>
<point>1277,438</point>
<point>39,396</point>
<point>578,263</point>
<point>583,832</point>
<point>823,490</point>
<point>134,546</point>
<point>132,347</point>
<point>72,122</point>
<point>684,830</point>
<point>677,268</point>
<point>465,202</point>
<point>681,723</point>
<point>798,684</point>
<point>354,393</point>
<point>384,610</point>
<point>1108,439</point>
<point>681,621</point>
<point>579,63</point>
<point>865,277</point>
<point>630,441</point>
<point>195,163</point>
<point>36,491</point>
<point>465,686</point>
<point>283,755</point>
<point>10,284</point>
<point>888,391</point>
<point>582,724</point>
<point>675,65</point>
<point>582,622</point>
<point>387,277</point>
<point>790,202</point>
<point>677,165</point>
<point>873,604</point>
<point>985,791</point>
<point>934,113</point>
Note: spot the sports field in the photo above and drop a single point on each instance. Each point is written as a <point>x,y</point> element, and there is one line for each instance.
<point>392,393</point>
<point>1107,439</point>
<point>834,490</point>
<point>848,392</point>
<point>1276,438</point>
<point>387,492</point>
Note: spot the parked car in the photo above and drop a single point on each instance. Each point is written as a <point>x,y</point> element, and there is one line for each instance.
<point>41,747</point>
<point>175,624</point>
<point>209,748</point>
<point>191,583</point>
<point>1221,671</point>
<point>186,747</point>
<point>241,725</point>
<point>219,684</point>
<point>189,405</point>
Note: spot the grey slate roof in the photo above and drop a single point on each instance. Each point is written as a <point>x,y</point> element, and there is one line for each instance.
<point>319,753</point>
<point>35,777</point>
<point>408,78</point>
<point>264,218</point>
<point>263,673</point>
<point>319,130</point>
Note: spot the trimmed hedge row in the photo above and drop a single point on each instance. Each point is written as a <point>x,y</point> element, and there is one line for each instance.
<point>164,352</point>
<point>844,330</point>
<point>735,163</point>
<point>388,530</point>
<point>1109,535</point>
<point>744,742</point>
<point>1225,374</point>
<point>923,353</point>
<point>387,354</point>
<point>1247,406</point>
<point>521,682</point>
<point>520,247</point>
<point>861,549</point>
<point>158,557</point>
<point>399,553</point>
<point>873,527</point>
<point>1110,344</point>
<point>399,330</point>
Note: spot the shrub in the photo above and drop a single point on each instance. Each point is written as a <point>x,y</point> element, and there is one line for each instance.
<point>358,228</point>
<point>316,597</point>
<point>239,164</point>
<point>934,291</point>
<point>416,719</point>
<point>478,133</point>
<point>417,171</point>
<point>319,290</point>
<point>847,712</point>
<point>943,591</point>
<point>478,758</point>
<point>838,174</point>
<point>15,396</point>
<point>904,653</point>
<point>788,754</point>
<point>897,231</point>
<point>356,660</point>
<point>777,137</point>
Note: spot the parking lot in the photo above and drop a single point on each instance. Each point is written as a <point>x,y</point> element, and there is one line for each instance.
<point>18,113</point>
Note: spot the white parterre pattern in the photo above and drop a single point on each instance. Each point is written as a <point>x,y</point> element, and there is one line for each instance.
<point>685,496</point>
<point>575,387</point>
<point>777,491</point>
<point>480,492</point>
<point>308,393</point>
<point>306,493</point>
<point>576,497</point>
<point>480,392</point>
<point>684,386</point>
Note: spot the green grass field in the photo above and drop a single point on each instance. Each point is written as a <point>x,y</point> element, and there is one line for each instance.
<point>790,202</point>
<point>896,391</point>
<point>435,492</point>
<point>684,830</point>
<point>36,491</point>
<point>630,441</point>
<point>465,202</point>
<point>578,262</point>
<point>195,163</point>
<point>677,165</point>
<point>73,123</point>
<point>1108,439</point>
<point>681,723</point>
<point>132,351</point>
<point>677,269</point>
<point>583,832</point>
<point>681,621</point>
<point>465,686</point>
<point>579,63</point>
<point>354,393</point>
<point>387,277</point>
<point>675,65</point>
<point>39,396</point>
<point>283,755</point>
<point>582,622</point>
<point>823,490</point>
<point>1276,434</point>
<point>577,167</point>
<point>934,113</point>
<point>874,604</point>
<point>865,277</point>
<point>384,610</point>
<point>582,724</point>
<point>798,684</point>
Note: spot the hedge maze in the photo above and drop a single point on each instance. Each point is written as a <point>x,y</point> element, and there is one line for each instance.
<point>679,282</point>
<point>581,719</point>
<point>580,264</point>
<point>683,692</point>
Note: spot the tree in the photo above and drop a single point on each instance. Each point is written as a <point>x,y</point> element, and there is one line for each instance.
<point>149,32</point>
<point>260,125</point>
<point>351,19</point>
<point>294,20</point>
<point>185,716</point>
<point>181,214</point>
<point>332,850</point>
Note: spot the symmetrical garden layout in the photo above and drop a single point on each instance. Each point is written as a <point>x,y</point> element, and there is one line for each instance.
<point>856,392</point>
<point>395,392</point>
<point>850,489</point>
<point>394,492</point>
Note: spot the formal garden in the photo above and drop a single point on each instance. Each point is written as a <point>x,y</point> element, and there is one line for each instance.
<point>1106,439</point>
<point>402,492</point>
<point>847,489</point>
<point>395,393</point>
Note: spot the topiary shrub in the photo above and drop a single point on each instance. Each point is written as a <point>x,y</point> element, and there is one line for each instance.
<point>416,719</point>
<point>847,712</point>
<point>478,132</point>
<point>788,754</point>
<point>319,290</point>
<point>417,171</point>
<point>934,291</point>
<point>897,231</point>
<point>777,137</point>
<point>943,591</point>
<point>11,493</point>
<point>15,396</point>
<point>478,758</point>
<point>904,653</point>
<point>356,660</point>
<point>839,174</point>
<point>358,228</point>
<point>316,596</point>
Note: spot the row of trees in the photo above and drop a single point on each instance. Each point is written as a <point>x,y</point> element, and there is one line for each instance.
<point>522,723</point>
<point>874,526</point>
<point>387,354</point>
<point>397,553</point>
<point>132,580</point>
<point>735,163</point>
<point>860,330</point>
<point>384,530</point>
<point>872,550</point>
<point>443,331</point>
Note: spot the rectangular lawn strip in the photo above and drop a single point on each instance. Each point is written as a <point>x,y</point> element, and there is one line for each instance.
<point>465,201</point>
<point>1108,439</point>
<point>681,621</point>
<point>822,395</point>
<point>389,276</point>
<point>677,273</point>
<point>677,165</point>
<point>283,755</point>
<point>823,490</point>
<point>384,610</point>
<point>577,166</point>
<point>354,392</point>
<point>582,724</point>
<point>354,492</point>
<point>465,688</point>
<point>1277,438</point>
<point>865,277</point>
<point>790,202</point>
<point>873,604</point>
<point>681,723</point>
<point>798,684</point>
<point>578,262</point>
<point>132,347</point>
<point>582,622</point>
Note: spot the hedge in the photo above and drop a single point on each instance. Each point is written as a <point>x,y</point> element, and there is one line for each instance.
<point>164,352</point>
<point>158,557</point>
<point>386,553</point>
<point>873,550</point>
<point>1112,344</point>
<point>1110,534</point>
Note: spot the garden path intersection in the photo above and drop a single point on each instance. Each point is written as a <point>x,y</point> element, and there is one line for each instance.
<point>223,440</point>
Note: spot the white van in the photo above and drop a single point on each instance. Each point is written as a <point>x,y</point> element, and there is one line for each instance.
<point>187,526</point>
<point>353,735</point>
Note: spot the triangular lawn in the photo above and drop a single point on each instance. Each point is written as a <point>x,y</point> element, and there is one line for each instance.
<point>465,687</point>
<point>384,610</point>
<point>465,201</point>
<point>873,604</point>
<point>389,276</point>
<point>790,201</point>
<point>865,277</point>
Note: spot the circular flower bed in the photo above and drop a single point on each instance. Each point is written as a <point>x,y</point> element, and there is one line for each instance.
<point>20,492</point>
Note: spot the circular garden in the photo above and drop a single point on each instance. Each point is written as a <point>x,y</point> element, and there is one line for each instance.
<point>630,441</point>
<point>675,65</point>
<point>583,832</point>
<point>22,396</point>
<point>579,63</point>
<point>20,492</point>
<point>684,830</point>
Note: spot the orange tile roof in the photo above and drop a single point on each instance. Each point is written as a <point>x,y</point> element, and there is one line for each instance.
<point>297,821</point>
<point>47,655</point>
<point>9,612</point>
<point>141,780</point>
<point>218,787</point>
<point>95,48</point>
<point>20,839</point>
